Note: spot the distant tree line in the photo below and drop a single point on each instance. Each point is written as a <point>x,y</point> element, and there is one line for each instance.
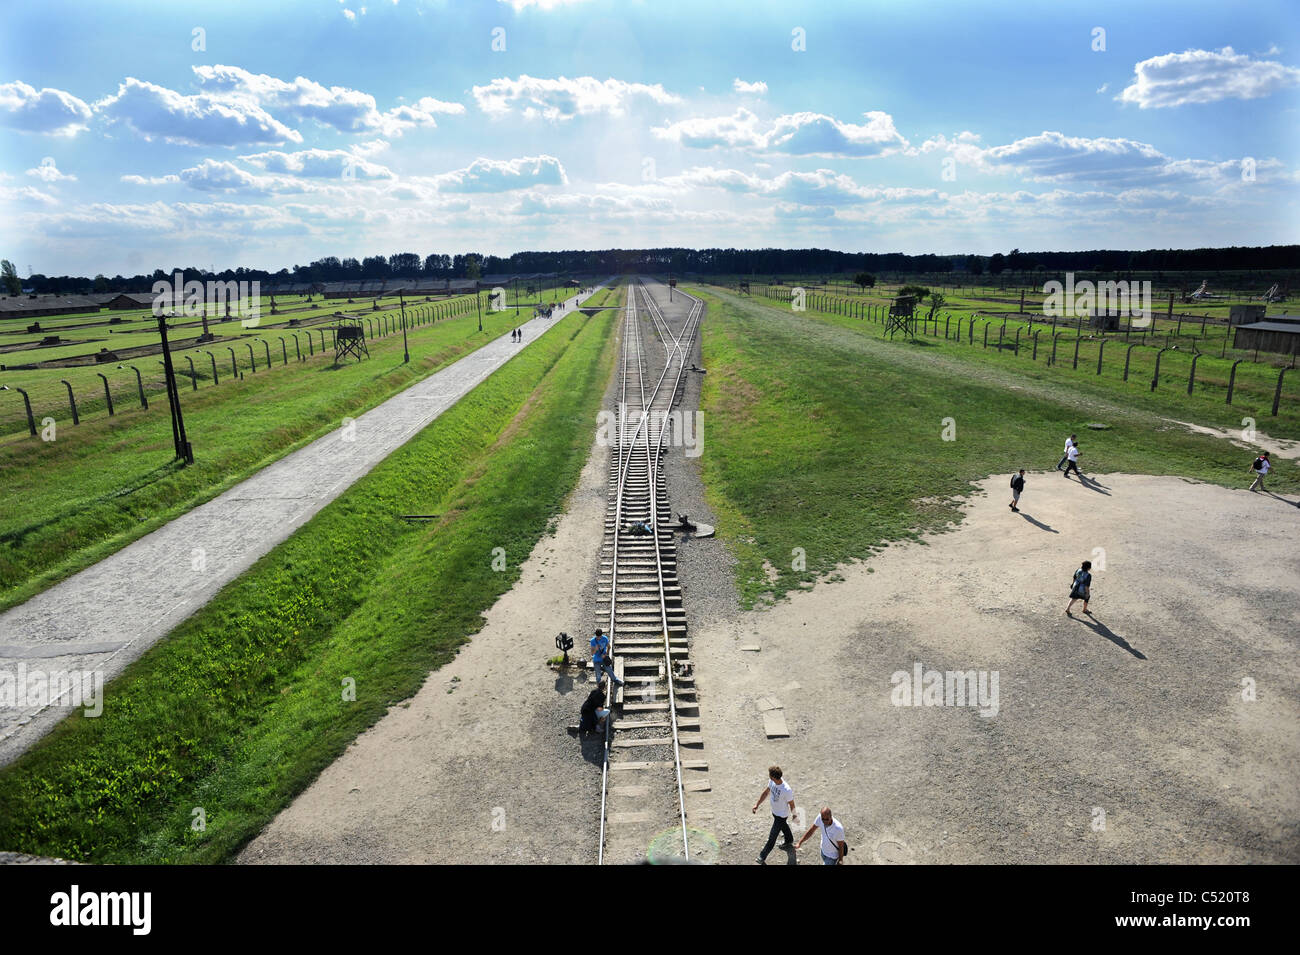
<point>755,262</point>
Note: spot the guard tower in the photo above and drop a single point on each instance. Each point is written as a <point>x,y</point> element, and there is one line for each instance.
<point>901,316</point>
<point>350,339</point>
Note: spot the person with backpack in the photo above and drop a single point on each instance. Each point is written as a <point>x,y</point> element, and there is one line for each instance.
<point>834,848</point>
<point>782,797</point>
<point>1017,485</point>
<point>1260,466</point>
<point>1065,455</point>
<point>1081,588</point>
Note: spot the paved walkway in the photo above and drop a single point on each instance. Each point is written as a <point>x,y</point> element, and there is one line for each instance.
<point>109,614</point>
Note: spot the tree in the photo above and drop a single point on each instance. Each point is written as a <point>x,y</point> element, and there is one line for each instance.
<point>9,275</point>
<point>473,269</point>
<point>997,263</point>
<point>936,302</point>
<point>101,283</point>
<point>865,280</point>
<point>374,267</point>
<point>404,263</point>
<point>920,291</point>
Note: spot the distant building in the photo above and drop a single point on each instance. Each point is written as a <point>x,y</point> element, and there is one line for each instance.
<point>37,306</point>
<point>1279,334</point>
<point>129,300</point>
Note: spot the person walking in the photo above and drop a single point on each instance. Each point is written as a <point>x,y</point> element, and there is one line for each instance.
<point>601,663</point>
<point>782,797</point>
<point>1072,454</point>
<point>834,849</point>
<point>1081,589</point>
<point>1017,485</point>
<point>1065,455</point>
<point>1259,467</point>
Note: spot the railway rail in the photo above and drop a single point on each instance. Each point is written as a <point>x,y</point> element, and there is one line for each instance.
<point>640,598</point>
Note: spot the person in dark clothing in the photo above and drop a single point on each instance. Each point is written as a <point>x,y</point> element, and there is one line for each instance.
<point>1081,588</point>
<point>594,712</point>
<point>1017,485</point>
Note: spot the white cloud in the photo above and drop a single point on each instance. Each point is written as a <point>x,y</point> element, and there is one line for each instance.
<point>47,110</point>
<point>26,194</point>
<point>319,164</point>
<point>493,175</point>
<point>1055,157</point>
<point>738,131</point>
<point>534,203</point>
<point>813,134</point>
<point>47,171</point>
<point>213,175</point>
<point>757,88</point>
<point>794,134</point>
<point>349,14</point>
<point>344,109</point>
<point>821,187</point>
<point>521,5</point>
<point>563,98</point>
<point>135,180</point>
<point>1205,76</point>
<point>202,120</point>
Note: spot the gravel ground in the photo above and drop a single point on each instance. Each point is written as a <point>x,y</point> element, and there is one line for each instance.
<point>1123,738</point>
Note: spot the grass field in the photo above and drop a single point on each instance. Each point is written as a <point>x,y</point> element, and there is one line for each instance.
<point>1203,324</point>
<point>1083,353</point>
<point>269,345</point>
<point>247,351</point>
<point>240,707</point>
<point>827,440</point>
<point>72,501</point>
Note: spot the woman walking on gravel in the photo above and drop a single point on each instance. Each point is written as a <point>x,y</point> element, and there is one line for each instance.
<point>1081,589</point>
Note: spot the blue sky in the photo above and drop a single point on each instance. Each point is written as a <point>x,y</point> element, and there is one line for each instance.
<point>142,135</point>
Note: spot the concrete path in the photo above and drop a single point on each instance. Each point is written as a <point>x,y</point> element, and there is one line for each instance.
<point>95,623</point>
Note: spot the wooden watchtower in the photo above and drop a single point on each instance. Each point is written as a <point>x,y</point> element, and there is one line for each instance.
<point>901,316</point>
<point>350,339</point>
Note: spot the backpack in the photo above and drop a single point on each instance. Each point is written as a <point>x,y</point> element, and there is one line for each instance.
<point>1258,463</point>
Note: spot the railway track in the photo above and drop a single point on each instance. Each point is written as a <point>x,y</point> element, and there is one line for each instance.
<point>644,778</point>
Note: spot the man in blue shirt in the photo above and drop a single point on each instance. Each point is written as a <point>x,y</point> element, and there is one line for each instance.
<point>601,662</point>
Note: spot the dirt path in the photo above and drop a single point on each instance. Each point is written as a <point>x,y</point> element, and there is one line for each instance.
<point>1137,713</point>
<point>109,614</point>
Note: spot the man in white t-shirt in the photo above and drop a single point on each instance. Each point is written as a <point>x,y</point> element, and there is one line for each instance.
<point>1072,453</point>
<point>782,797</point>
<point>833,847</point>
<point>1259,467</point>
<point>1065,455</point>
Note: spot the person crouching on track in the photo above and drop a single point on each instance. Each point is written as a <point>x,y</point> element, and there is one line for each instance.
<point>594,712</point>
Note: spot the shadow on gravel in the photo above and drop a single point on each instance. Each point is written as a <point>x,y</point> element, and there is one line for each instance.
<point>1279,497</point>
<point>1097,626</point>
<point>1092,485</point>
<point>1039,524</point>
